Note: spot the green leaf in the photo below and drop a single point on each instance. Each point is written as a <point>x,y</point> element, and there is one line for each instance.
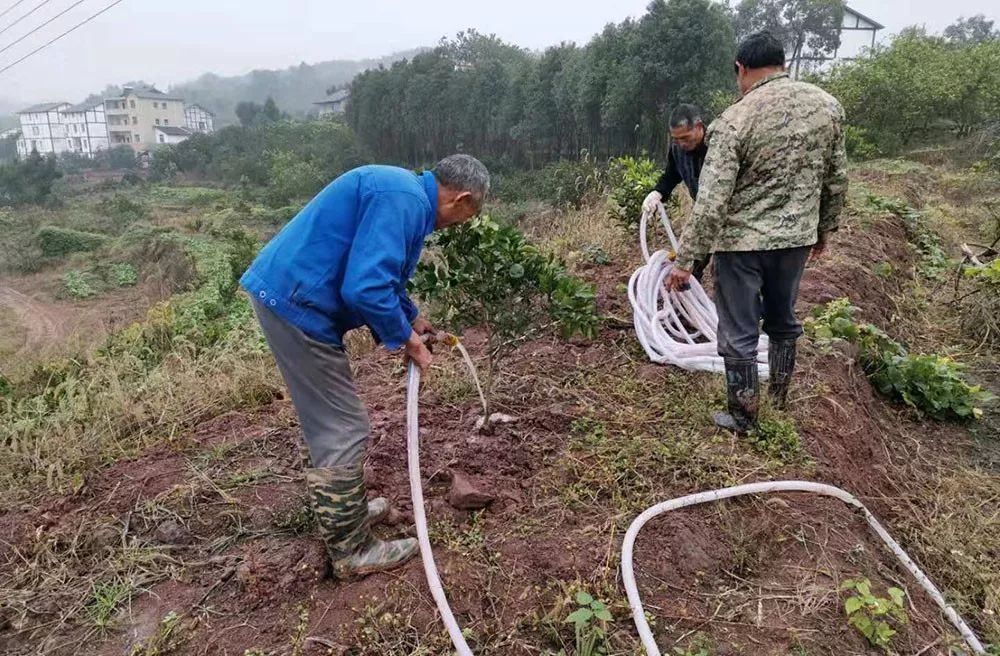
<point>853,605</point>
<point>584,598</point>
<point>603,615</point>
<point>580,617</point>
<point>864,586</point>
<point>897,596</point>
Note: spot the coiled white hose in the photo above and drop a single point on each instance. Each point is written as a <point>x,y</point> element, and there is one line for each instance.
<point>628,546</point>
<point>677,328</point>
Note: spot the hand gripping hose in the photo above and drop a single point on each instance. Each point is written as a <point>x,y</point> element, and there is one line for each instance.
<point>677,328</point>
<point>628,547</point>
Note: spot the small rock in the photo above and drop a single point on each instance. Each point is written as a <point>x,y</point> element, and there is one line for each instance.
<point>467,493</point>
<point>171,532</point>
<point>495,418</point>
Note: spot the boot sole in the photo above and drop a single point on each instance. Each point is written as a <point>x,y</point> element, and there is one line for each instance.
<point>374,569</point>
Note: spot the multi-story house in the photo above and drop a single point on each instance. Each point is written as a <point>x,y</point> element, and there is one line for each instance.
<point>134,116</point>
<point>42,129</point>
<point>86,128</point>
<point>199,119</point>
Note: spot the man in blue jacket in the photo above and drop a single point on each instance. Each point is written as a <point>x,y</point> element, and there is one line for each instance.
<point>343,262</point>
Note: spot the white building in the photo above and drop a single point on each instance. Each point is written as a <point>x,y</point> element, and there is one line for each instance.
<point>857,33</point>
<point>42,129</point>
<point>169,134</point>
<point>335,104</point>
<point>199,119</point>
<point>86,128</point>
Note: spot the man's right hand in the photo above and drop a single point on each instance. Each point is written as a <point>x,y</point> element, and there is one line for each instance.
<point>415,350</point>
<point>653,199</point>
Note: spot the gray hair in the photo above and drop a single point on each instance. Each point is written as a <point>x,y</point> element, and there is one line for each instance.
<point>464,173</point>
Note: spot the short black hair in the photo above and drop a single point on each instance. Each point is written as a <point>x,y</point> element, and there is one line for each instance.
<point>761,50</point>
<point>685,116</point>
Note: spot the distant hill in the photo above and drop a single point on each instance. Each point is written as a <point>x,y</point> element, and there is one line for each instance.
<point>294,89</point>
<point>7,108</point>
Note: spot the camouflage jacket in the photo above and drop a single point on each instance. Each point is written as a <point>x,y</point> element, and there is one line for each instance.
<point>775,175</point>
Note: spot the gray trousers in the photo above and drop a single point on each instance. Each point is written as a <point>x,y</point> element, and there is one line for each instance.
<point>333,417</point>
<point>751,284</point>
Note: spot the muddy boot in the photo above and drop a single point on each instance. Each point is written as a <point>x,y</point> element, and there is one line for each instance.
<point>741,395</point>
<point>781,359</point>
<point>338,495</point>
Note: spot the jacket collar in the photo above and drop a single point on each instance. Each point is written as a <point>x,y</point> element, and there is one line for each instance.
<point>770,78</point>
<point>431,189</point>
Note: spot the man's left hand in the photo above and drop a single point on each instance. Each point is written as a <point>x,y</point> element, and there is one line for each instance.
<point>422,326</point>
<point>679,279</point>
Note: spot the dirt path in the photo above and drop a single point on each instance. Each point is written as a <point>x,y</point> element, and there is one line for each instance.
<point>45,323</point>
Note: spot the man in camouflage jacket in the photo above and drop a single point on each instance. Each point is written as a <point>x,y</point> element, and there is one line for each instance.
<point>772,190</point>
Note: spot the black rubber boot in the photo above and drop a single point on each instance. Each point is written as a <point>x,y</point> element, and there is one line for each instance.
<point>781,361</point>
<point>742,394</point>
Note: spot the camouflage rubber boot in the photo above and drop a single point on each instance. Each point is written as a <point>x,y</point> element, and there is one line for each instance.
<point>781,360</point>
<point>742,393</point>
<point>338,495</point>
<point>378,508</point>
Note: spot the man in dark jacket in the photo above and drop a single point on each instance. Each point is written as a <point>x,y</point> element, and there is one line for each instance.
<point>684,162</point>
<point>343,262</point>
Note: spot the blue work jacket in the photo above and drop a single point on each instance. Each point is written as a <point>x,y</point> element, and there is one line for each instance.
<point>343,262</point>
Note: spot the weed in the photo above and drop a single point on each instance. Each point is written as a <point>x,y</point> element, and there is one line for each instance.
<point>244,478</point>
<point>934,262</point>
<point>776,437</point>
<point>298,521</point>
<point>105,598</point>
<point>884,270</point>
<point>79,284</point>
<point>595,254</point>
<point>123,274</point>
<point>589,622</point>
<point>929,383</point>
<point>164,641</point>
<point>468,542</point>
<point>876,618</point>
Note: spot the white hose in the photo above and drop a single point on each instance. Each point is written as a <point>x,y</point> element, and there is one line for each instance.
<point>420,517</point>
<point>628,546</point>
<point>628,574</point>
<point>677,328</point>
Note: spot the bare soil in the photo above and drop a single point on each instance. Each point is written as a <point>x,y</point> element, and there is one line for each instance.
<point>221,512</point>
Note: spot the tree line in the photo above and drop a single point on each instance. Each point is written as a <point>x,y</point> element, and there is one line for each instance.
<point>507,104</point>
<point>612,96</point>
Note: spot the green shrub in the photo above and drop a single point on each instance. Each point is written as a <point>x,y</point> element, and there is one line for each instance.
<point>631,179</point>
<point>59,242</point>
<point>123,274</point>
<point>859,144</point>
<point>79,284</point>
<point>122,211</point>
<point>929,383</point>
<point>485,274</point>
<point>570,183</point>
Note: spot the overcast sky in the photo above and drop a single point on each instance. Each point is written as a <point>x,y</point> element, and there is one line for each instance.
<point>176,40</point>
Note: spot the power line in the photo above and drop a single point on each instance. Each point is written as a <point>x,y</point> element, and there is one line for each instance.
<point>36,8</point>
<point>46,23</point>
<point>12,7</point>
<point>66,33</point>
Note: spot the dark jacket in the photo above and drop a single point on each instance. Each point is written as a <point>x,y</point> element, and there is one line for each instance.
<point>682,166</point>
